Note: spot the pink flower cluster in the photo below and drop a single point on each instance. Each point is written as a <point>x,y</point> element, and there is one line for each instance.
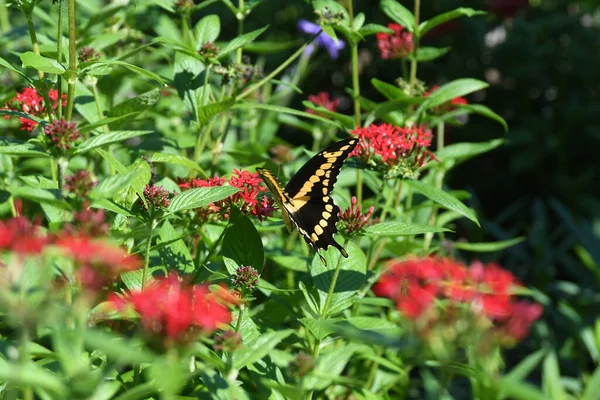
<point>396,45</point>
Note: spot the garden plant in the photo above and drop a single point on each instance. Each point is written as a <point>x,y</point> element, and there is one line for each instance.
<point>142,255</point>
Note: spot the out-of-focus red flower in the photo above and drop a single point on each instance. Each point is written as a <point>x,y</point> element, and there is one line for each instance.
<point>322,99</point>
<point>30,102</point>
<point>80,183</point>
<point>88,54</point>
<point>508,8</point>
<point>353,220</point>
<point>175,311</point>
<point>485,291</point>
<point>395,45</point>
<point>87,222</point>
<point>396,150</point>
<point>281,153</point>
<point>250,200</point>
<point>451,105</point>
<point>97,261</point>
<point>62,134</point>
<point>21,236</point>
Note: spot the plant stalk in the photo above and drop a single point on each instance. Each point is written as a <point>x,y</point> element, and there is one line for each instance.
<point>72,75</point>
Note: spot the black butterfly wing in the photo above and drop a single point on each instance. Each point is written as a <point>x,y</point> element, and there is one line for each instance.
<point>317,177</point>
<point>310,207</point>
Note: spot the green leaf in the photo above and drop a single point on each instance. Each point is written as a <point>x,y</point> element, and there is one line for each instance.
<point>14,147</point>
<point>450,90</point>
<point>371,29</point>
<point>426,53</point>
<point>205,113</point>
<point>445,199</point>
<point>526,366</point>
<point>259,348</point>
<point>551,379</point>
<point>107,138</point>
<point>207,30</point>
<point>9,66</point>
<point>200,197</point>
<point>175,255</point>
<point>84,128</point>
<point>519,390</point>
<point>319,328</point>
<point>401,228</point>
<point>330,365</point>
<point>280,109</point>
<point>32,375</point>
<point>391,92</point>
<point>41,63</point>
<point>456,153</point>
<point>177,160</point>
<point>242,245</point>
<point>39,195</point>
<point>485,111</point>
<point>426,26</point>
<point>133,279</point>
<point>359,20</point>
<point>345,120</point>
<point>489,246</point>
<point>352,276</point>
<point>135,176</point>
<point>131,67</point>
<point>592,387</point>
<point>241,40</point>
<point>136,104</point>
<point>117,348</point>
<point>399,14</point>
<point>109,205</point>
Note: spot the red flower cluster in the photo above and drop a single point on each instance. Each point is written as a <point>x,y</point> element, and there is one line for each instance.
<point>400,151</point>
<point>451,105</point>
<point>30,102</point>
<point>157,196</point>
<point>172,310</point>
<point>248,199</point>
<point>62,134</point>
<point>87,222</point>
<point>98,262</point>
<point>21,236</point>
<point>88,54</point>
<point>397,45</point>
<point>322,99</point>
<point>80,183</point>
<point>353,220</point>
<point>482,290</point>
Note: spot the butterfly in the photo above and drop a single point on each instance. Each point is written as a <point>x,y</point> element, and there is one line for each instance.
<point>305,201</point>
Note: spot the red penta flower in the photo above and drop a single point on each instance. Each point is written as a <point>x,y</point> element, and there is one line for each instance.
<point>97,261</point>
<point>80,183</point>
<point>156,196</point>
<point>396,45</point>
<point>250,199</point>
<point>353,220</point>
<point>21,236</point>
<point>174,310</point>
<point>322,99</point>
<point>88,54</point>
<point>522,315</point>
<point>30,102</point>
<point>62,134</point>
<point>395,150</point>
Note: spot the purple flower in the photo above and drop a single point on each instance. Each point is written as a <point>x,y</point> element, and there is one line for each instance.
<point>332,45</point>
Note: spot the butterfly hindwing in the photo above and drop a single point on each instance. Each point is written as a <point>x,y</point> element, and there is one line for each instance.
<point>318,176</point>
<point>306,200</point>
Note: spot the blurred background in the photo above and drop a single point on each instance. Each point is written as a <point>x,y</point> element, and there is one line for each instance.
<point>542,61</point>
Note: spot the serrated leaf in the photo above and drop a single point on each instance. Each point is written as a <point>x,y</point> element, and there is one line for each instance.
<point>351,278</point>
<point>259,348</point>
<point>241,40</point>
<point>207,30</point>
<point>133,279</point>
<point>426,26</point>
<point>489,246</point>
<point>398,13</point>
<point>14,147</point>
<point>400,228</point>
<point>200,197</point>
<point>205,113</point>
<point>242,245</point>
<point>329,366</point>
<point>319,328</point>
<point>443,198</point>
<point>41,63</point>
<point>107,138</point>
<point>175,255</point>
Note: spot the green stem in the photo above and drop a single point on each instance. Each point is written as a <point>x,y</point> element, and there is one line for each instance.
<point>413,62</point>
<point>59,50</point>
<point>231,374</point>
<point>241,16</point>
<point>387,205</point>
<point>4,20</point>
<point>54,171</point>
<point>277,70</point>
<point>72,72</point>
<point>203,136</point>
<point>336,274</point>
<point>439,180</point>
<point>147,254</point>
<point>33,37</point>
<point>24,359</point>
